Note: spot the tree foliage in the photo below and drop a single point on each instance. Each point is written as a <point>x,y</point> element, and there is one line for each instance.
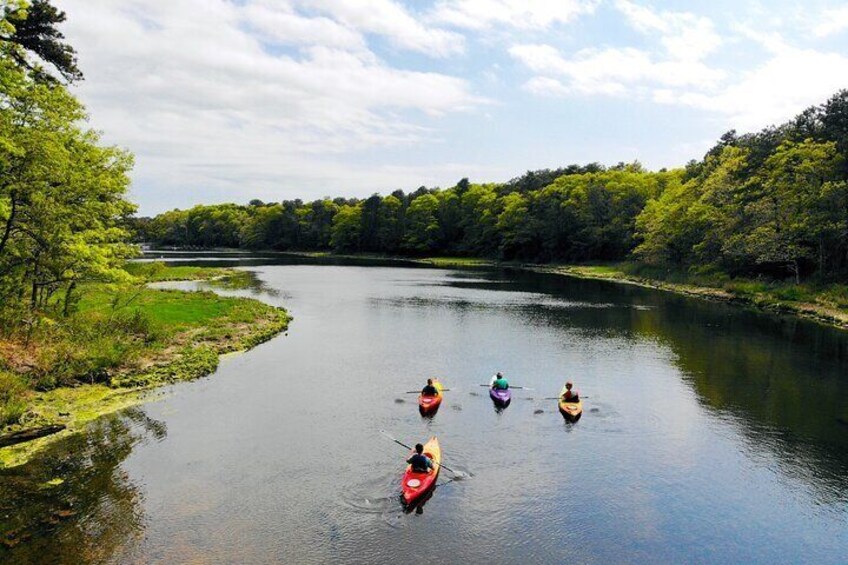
<point>29,36</point>
<point>62,194</point>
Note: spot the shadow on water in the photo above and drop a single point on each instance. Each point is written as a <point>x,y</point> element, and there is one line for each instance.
<point>75,503</point>
<point>418,505</point>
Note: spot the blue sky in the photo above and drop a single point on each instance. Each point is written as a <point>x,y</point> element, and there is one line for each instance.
<point>229,100</point>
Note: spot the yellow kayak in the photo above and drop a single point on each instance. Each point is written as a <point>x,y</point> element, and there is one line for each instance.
<point>570,410</point>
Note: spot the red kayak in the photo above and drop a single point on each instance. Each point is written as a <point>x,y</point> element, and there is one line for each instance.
<point>415,485</point>
<point>428,405</point>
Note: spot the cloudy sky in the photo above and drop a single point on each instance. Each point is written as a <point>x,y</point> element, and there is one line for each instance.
<point>229,100</point>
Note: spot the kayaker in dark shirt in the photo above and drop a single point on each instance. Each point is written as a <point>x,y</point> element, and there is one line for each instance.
<point>569,395</point>
<point>499,382</point>
<point>420,462</point>
<point>429,389</point>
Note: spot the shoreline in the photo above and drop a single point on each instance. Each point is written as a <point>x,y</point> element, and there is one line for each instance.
<point>187,356</point>
<point>761,301</point>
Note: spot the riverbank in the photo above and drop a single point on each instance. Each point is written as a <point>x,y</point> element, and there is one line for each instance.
<point>826,305</point>
<point>122,344</point>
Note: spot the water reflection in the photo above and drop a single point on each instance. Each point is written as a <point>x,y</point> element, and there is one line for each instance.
<point>789,399</point>
<point>75,504</point>
<point>245,280</point>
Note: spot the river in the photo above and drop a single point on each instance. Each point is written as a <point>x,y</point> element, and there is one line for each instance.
<point>710,433</point>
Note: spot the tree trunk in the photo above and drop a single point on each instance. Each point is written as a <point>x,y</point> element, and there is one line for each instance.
<point>67,306</point>
<point>9,222</point>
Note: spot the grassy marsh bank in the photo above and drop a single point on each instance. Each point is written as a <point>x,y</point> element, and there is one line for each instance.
<point>119,344</point>
<point>827,304</point>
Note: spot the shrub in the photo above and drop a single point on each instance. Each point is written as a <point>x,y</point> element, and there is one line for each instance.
<point>12,398</point>
<point>791,293</point>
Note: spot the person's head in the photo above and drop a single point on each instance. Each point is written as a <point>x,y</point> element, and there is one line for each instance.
<point>419,449</point>
<point>568,385</point>
<point>500,375</point>
<point>429,381</point>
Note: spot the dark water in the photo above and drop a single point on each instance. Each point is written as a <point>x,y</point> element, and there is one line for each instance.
<point>710,434</point>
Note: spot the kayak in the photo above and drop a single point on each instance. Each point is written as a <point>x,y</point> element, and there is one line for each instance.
<point>429,405</point>
<point>500,397</point>
<point>415,485</point>
<point>570,410</point>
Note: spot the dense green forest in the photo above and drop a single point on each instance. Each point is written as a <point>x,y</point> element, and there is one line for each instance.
<point>772,203</point>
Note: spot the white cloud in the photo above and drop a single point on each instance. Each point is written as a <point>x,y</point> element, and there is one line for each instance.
<point>685,40</point>
<point>612,70</point>
<point>278,23</point>
<point>388,18</point>
<point>527,14</point>
<point>675,72</point>
<point>833,21</point>
<point>204,102</point>
<point>684,35</point>
<point>776,91</point>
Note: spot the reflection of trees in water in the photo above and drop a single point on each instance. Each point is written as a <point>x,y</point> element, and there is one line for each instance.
<point>783,380</point>
<point>244,280</point>
<point>784,383</point>
<point>94,514</point>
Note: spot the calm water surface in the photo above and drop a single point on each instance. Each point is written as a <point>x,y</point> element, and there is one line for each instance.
<point>710,434</point>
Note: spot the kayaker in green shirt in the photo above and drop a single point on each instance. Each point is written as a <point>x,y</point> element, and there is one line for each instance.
<point>499,382</point>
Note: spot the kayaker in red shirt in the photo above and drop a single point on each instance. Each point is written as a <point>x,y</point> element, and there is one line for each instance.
<point>420,462</point>
<point>570,395</point>
<point>429,389</point>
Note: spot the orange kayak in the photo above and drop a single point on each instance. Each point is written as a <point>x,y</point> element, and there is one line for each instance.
<point>414,485</point>
<point>429,405</point>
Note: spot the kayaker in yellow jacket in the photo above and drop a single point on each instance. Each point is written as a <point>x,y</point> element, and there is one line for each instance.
<point>569,395</point>
<point>499,382</point>
<point>429,389</point>
<point>420,462</point>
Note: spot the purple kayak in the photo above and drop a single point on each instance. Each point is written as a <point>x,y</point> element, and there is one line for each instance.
<point>500,397</point>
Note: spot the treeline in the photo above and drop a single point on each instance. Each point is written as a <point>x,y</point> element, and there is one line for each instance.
<point>773,202</point>
<point>576,213</point>
<point>62,195</point>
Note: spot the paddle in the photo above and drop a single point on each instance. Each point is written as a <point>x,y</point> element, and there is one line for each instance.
<point>400,443</point>
<point>558,397</point>
<point>515,387</point>
<point>419,392</point>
